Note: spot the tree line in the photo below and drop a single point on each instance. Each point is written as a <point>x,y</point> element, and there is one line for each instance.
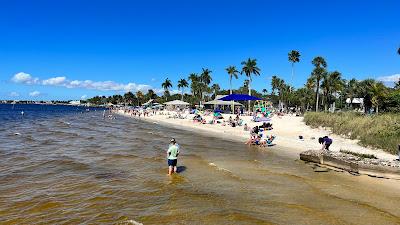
<point>324,90</point>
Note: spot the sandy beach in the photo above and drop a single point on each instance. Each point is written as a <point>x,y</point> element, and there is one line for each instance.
<point>287,130</point>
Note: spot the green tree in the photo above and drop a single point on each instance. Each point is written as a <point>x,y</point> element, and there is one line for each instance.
<point>215,88</point>
<point>233,73</point>
<point>140,97</point>
<point>194,85</point>
<point>378,93</point>
<point>129,97</point>
<point>350,90</point>
<point>182,83</point>
<point>151,94</point>
<point>317,74</point>
<point>274,84</point>
<point>166,85</point>
<point>264,91</point>
<point>331,84</point>
<point>249,68</point>
<point>294,57</point>
<point>205,80</point>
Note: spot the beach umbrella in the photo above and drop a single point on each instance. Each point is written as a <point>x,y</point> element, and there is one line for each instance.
<point>239,97</point>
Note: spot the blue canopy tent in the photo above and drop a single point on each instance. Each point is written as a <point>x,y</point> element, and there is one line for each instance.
<point>239,97</point>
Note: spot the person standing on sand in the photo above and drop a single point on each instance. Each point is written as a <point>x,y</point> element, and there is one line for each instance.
<point>172,155</point>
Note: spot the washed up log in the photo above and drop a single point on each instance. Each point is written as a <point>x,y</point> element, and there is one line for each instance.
<point>354,164</point>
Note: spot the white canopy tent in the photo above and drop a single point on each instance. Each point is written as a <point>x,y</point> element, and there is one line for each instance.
<point>176,103</point>
<point>220,102</point>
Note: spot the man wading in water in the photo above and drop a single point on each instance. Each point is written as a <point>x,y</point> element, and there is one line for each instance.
<point>172,155</point>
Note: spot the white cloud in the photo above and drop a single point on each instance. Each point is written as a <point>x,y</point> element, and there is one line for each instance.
<point>54,81</point>
<point>85,84</point>
<point>34,93</point>
<point>390,78</point>
<point>83,97</point>
<point>14,94</point>
<point>24,78</point>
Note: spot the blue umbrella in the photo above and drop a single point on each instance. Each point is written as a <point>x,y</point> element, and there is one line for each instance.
<point>239,97</point>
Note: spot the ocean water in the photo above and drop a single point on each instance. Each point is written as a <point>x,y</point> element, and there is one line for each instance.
<point>64,165</point>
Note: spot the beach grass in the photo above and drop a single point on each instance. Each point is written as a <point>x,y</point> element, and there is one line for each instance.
<point>378,131</point>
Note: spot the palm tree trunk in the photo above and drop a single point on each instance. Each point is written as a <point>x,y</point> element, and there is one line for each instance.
<point>317,97</point>
<point>232,105</point>
<point>182,95</point>
<point>292,74</point>
<point>249,94</point>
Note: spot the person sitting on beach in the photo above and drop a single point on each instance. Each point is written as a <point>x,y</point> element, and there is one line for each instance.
<point>269,140</point>
<point>197,118</point>
<point>172,155</point>
<point>255,130</point>
<point>237,119</point>
<point>325,142</point>
<point>246,128</point>
<point>267,126</point>
<point>254,139</point>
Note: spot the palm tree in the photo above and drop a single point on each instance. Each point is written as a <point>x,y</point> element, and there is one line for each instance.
<point>278,84</point>
<point>139,96</point>
<point>294,57</point>
<point>233,73</point>
<point>205,76</point>
<point>182,83</point>
<point>350,90</point>
<point>151,94</point>
<point>317,74</point>
<point>249,68</point>
<point>264,91</point>
<point>166,85</point>
<point>274,84</point>
<point>378,93</point>
<point>215,88</point>
<point>331,84</point>
<point>205,80</point>
<point>129,97</point>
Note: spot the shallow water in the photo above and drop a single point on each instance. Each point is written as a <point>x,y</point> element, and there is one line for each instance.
<point>79,168</point>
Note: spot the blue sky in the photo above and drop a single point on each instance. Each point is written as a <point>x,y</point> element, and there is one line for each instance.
<point>69,49</point>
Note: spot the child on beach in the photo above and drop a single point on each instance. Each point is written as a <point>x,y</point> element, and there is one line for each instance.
<point>326,142</point>
<point>172,156</point>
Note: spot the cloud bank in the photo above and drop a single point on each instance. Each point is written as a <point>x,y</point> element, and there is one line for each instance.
<point>390,78</point>
<point>62,81</point>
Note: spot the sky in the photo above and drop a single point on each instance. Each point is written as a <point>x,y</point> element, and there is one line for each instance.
<point>70,50</point>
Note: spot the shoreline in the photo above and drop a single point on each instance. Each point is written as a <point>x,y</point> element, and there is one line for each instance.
<point>287,130</point>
